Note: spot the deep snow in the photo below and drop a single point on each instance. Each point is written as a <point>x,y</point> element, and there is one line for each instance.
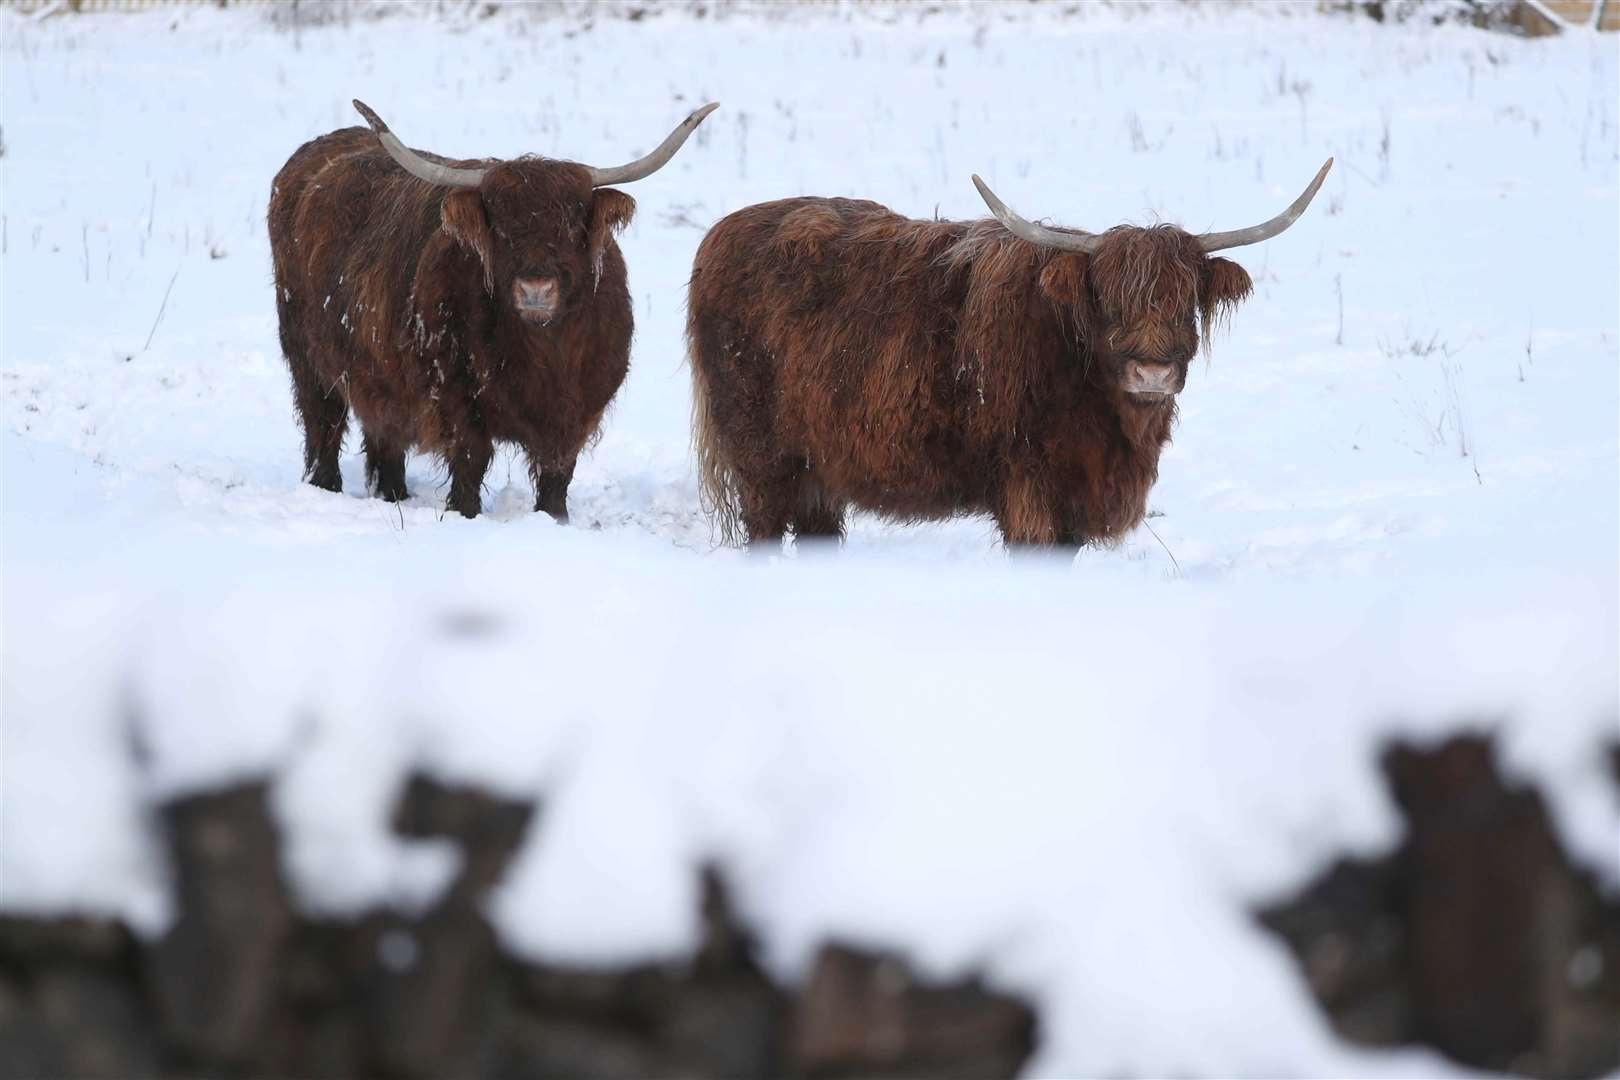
<point>1076,776</point>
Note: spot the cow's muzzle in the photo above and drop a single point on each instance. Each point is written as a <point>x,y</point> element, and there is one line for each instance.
<point>536,299</point>
<point>1148,379</point>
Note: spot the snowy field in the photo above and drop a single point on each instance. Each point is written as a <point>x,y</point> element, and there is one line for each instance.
<point>1390,507</point>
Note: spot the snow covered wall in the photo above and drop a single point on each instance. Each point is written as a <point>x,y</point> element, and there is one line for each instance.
<point>1391,505</point>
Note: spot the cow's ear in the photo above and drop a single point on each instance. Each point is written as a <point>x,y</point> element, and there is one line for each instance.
<point>611,211</point>
<point>462,217</point>
<point>1225,285</point>
<point>1066,281</point>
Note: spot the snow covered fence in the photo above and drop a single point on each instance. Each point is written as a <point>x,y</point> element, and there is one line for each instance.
<point>1531,17</point>
<point>1601,15</point>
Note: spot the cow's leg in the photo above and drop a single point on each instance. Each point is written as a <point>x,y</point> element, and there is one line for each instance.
<point>768,504</point>
<point>1072,531</point>
<point>551,487</point>
<point>322,412</point>
<point>468,460</point>
<point>817,517</point>
<point>755,491</point>
<point>325,417</point>
<point>385,465</point>
<point>766,528</point>
<point>1027,516</point>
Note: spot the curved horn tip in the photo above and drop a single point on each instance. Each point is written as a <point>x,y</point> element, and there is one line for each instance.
<point>650,163</point>
<point>1254,234</point>
<point>988,196</point>
<point>371,117</point>
<point>1316,183</point>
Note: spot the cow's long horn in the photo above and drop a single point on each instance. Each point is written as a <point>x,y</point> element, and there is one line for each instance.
<point>1216,241</point>
<point>646,166</point>
<point>1028,230</point>
<point>414,163</point>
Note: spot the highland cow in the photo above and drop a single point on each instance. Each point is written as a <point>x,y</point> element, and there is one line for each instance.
<point>845,356</point>
<point>451,305</point>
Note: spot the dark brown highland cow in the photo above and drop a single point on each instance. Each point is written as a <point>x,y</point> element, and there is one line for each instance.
<point>844,356</point>
<point>451,305</point>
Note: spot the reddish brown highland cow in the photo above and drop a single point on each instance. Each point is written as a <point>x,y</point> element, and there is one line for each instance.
<point>844,356</point>
<point>451,305</point>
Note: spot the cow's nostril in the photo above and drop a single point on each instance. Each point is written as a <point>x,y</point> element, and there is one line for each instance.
<point>536,297</point>
<point>1146,377</point>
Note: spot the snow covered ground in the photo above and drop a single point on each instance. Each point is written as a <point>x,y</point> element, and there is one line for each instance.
<point>1391,504</point>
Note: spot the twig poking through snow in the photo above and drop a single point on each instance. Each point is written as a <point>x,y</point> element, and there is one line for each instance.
<point>1352,167</point>
<point>161,308</point>
<point>1383,143</point>
<point>1167,550</point>
<point>1338,287</point>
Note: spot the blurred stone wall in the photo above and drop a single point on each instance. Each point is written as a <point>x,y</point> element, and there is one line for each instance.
<point>1476,936</point>
<point>244,985</point>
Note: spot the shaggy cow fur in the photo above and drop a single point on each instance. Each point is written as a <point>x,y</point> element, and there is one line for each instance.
<point>844,356</point>
<point>396,300</point>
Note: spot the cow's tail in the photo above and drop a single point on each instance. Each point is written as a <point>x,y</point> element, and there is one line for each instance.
<point>717,485</point>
